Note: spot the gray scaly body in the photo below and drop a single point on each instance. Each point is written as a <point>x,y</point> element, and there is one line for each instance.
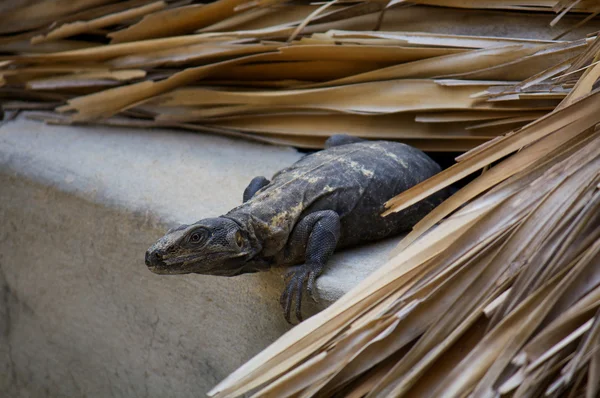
<point>327,200</point>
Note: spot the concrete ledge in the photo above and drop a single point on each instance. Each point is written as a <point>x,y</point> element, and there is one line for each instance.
<point>80,313</point>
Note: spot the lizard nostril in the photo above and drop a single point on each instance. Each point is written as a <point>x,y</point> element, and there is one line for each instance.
<point>153,258</point>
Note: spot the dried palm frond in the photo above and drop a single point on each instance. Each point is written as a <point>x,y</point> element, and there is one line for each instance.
<point>259,68</point>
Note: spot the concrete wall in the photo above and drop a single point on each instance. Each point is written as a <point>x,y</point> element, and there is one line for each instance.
<point>80,314</point>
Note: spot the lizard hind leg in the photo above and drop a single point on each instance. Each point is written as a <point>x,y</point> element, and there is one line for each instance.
<point>255,185</point>
<point>341,139</point>
<point>319,233</point>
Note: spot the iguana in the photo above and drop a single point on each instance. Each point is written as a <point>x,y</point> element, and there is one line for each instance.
<point>325,201</point>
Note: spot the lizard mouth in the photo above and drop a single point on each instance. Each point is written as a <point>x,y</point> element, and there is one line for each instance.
<point>212,264</point>
<point>167,271</point>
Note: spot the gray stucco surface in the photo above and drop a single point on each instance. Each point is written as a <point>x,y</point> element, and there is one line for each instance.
<point>80,315</point>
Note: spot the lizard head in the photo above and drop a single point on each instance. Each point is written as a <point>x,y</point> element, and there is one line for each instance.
<point>213,246</point>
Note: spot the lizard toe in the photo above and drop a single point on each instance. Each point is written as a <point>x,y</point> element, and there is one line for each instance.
<point>311,286</point>
<point>286,302</point>
<point>299,288</point>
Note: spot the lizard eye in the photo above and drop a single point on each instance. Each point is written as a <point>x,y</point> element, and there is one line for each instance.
<point>238,239</point>
<point>198,236</point>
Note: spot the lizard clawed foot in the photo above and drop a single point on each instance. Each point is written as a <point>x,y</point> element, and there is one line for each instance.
<point>296,277</point>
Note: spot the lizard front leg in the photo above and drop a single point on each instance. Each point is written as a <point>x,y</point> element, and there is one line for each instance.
<point>255,185</point>
<point>317,235</point>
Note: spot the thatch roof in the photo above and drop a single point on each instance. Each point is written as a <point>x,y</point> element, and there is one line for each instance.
<point>497,291</point>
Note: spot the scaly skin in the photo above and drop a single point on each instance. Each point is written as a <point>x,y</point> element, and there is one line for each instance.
<point>325,201</point>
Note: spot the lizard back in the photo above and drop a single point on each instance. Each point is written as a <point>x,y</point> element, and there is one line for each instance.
<point>355,180</point>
